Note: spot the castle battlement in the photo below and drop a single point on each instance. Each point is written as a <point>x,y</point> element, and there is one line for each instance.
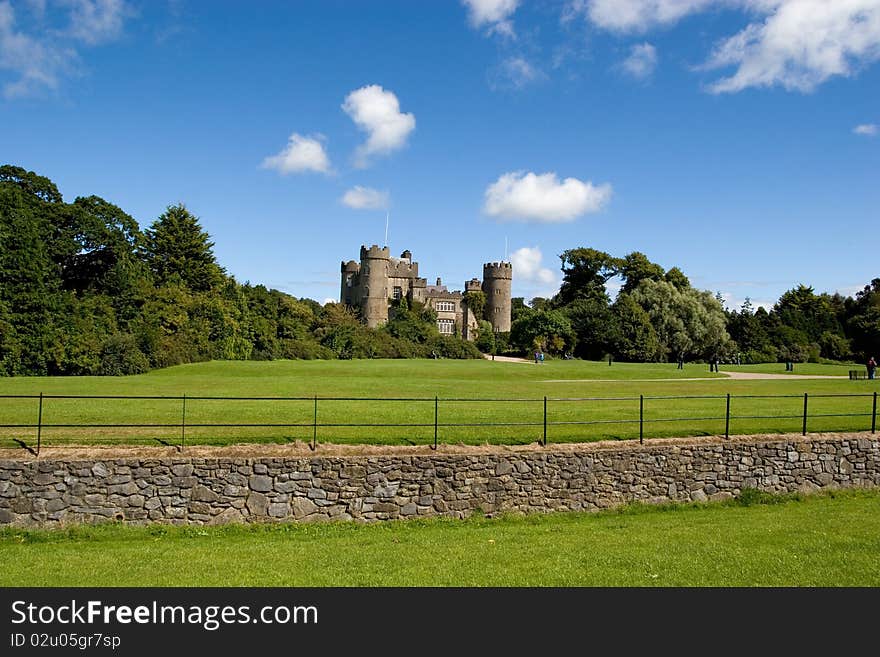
<point>498,270</point>
<point>376,252</point>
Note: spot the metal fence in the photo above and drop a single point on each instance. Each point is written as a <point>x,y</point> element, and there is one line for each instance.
<point>536,411</point>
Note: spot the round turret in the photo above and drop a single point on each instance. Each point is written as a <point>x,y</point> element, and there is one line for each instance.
<point>497,277</point>
<point>374,284</point>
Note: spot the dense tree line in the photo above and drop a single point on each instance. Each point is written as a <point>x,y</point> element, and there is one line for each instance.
<point>83,290</point>
<point>658,316</point>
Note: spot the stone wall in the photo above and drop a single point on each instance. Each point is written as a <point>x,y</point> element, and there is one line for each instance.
<point>196,490</point>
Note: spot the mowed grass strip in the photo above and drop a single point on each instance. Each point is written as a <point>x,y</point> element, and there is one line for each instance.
<point>392,402</point>
<point>826,540</point>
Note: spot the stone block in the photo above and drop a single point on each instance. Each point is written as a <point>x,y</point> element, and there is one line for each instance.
<point>203,494</point>
<point>182,470</point>
<point>258,504</point>
<point>260,483</point>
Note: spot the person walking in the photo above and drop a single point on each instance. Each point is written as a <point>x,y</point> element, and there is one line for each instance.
<point>872,367</point>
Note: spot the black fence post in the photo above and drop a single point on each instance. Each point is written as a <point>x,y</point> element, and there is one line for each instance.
<point>804,432</point>
<point>641,419</point>
<point>436,409</point>
<point>315,426</point>
<point>40,421</point>
<point>183,424</point>
<point>545,420</point>
<point>874,415</point>
<point>727,418</point>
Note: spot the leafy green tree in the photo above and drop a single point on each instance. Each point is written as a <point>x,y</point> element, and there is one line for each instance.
<point>676,277</point>
<point>636,340</point>
<point>545,330</point>
<point>177,249</point>
<point>485,341</point>
<point>584,274</point>
<point>689,323</point>
<point>635,268</point>
<point>596,327</point>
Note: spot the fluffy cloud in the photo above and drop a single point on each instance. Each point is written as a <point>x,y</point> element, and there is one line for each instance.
<point>301,154</point>
<point>365,198</point>
<point>636,15</point>
<point>866,129</point>
<point>795,44</point>
<point>495,14</point>
<point>641,62</point>
<point>542,198</point>
<point>800,45</point>
<point>377,112</point>
<point>41,58</point>
<point>527,263</point>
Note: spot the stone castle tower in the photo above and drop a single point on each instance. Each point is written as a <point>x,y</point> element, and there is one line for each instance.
<point>497,277</point>
<point>379,278</point>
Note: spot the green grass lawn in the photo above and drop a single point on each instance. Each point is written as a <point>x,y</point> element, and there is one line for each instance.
<point>818,540</point>
<point>456,383</point>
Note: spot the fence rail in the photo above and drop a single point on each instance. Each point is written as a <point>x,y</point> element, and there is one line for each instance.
<point>542,418</point>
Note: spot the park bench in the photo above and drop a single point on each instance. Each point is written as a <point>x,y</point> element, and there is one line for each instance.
<point>857,374</point>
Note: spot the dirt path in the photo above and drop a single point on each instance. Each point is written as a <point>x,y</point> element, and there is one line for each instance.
<point>741,376</point>
<point>763,375</point>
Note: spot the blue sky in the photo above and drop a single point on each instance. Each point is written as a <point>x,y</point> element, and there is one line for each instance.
<point>735,139</point>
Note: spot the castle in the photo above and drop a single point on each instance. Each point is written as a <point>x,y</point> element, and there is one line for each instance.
<point>371,284</point>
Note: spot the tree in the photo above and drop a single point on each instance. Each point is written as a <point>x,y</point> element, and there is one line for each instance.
<point>636,340</point>
<point>676,277</point>
<point>689,323</point>
<point>176,249</point>
<point>544,330</point>
<point>31,183</point>
<point>485,341</point>
<point>584,274</point>
<point>595,327</point>
<point>635,268</point>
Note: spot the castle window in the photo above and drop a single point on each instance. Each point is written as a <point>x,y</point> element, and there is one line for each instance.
<point>446,326</point>
<point>445,307</point>
<point>398,292</point>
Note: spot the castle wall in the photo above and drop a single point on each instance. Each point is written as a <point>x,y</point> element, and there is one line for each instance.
<point>215,490</point>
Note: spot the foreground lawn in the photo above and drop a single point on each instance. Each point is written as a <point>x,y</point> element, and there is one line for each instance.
<point>402,392</point>
<point>819,540</point>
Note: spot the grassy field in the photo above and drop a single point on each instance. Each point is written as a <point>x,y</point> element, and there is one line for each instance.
<point>818,540</point>
<point>402,392</point>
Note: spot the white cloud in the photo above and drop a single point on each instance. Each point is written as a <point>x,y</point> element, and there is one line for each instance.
<point>527,263</point>
<point>800,45</point>
<point>302,153</point>
<point>494,14</point>
<point>542,198</point>
<point>635,15</point>
<point>641,62</point>
<point>40,58</point>
<point>329,300</point>
<point>365,198</point>
<point>795,44</point>
<point>377,112</point>
<point>97,21</point>
<point>515,73</point>
<point>866,129</point>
